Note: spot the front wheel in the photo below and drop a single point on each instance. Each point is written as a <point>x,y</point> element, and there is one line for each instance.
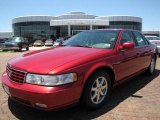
<point>20,49</point>
<point>152,66</point>
<point>96,90</point>
<point>27,48</point>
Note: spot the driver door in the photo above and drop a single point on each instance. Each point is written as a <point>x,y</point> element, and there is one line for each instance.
<point>128,63</point>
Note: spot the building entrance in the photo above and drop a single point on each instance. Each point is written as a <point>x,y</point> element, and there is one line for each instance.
<point>77,31</point>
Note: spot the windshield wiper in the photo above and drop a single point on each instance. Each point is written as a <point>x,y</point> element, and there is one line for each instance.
<point>81,46</point>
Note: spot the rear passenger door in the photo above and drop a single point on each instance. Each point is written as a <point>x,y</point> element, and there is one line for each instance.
<point>144,50</point>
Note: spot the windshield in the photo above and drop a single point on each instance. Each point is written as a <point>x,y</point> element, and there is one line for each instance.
<point>49,40</point>
<point>153,38</point>
<point>95,39</point>
<point>14,39</point>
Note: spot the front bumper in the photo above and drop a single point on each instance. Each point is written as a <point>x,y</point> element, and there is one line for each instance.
<point>158,47</point>
<point>42,97</point>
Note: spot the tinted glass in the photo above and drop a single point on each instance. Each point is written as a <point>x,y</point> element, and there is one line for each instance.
<point>125,25</point>
<point>127,36</point>
<point>95,39</point>
<point>14,39</point>
<point>140,40</point>
<point>35,30</point>
<point>59,40</point>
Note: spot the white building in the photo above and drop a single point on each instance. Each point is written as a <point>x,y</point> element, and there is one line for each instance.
<point>70,24</point>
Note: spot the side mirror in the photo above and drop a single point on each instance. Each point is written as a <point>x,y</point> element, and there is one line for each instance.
<point>127,46</point>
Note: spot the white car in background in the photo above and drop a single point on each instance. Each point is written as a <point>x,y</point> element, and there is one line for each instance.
<point>58,42</point>
<point>155,40</point>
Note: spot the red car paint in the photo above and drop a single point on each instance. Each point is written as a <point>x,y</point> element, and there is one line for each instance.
<point>80,60</point>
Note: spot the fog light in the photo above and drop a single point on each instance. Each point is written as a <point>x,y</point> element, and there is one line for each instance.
<point>41,105</point>
<point>4,74</point>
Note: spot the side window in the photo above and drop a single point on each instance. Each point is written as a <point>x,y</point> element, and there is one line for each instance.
<point>140,40</point>
<point>25,40</point>
<point>127,36</point>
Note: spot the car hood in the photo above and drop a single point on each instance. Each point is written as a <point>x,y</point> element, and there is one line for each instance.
<point>43,61</point>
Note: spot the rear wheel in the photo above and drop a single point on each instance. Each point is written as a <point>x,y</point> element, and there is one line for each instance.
<point>96,90</point>
<point>20,49</point>
<point>152,66</point>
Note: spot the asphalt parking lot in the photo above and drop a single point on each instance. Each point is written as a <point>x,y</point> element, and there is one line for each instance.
<point>137,99</point>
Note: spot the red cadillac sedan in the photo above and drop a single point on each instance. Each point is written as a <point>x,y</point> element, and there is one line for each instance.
<point>83,69</point>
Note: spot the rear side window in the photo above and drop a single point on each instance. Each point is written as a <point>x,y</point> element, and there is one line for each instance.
<point>127,36</point>
<point>140,39</point>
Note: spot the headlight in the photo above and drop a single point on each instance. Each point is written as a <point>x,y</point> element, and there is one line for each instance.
<point>51,80</point>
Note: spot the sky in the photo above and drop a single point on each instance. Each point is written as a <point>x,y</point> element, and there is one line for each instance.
<point>148,10</point>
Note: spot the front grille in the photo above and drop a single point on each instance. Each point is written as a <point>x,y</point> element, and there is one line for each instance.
<point>16,75</point>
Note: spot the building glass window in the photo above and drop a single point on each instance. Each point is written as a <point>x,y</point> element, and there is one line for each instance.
<point>125,25</point>
<point>33,30</point>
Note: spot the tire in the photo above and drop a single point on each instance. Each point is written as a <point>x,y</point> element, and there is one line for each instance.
<point>152,66</point>
<point>20,49</point>
<point>96,90</point>
<point>27,48</point>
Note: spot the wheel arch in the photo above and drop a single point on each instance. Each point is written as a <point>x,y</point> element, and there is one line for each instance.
<point>83,97</point>
<point>108,69</point>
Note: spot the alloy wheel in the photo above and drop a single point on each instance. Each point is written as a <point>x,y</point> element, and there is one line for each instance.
<point>99,90</point>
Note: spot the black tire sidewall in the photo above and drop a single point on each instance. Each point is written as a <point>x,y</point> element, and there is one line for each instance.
<point>149,72</point>
<point>27,48</point>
